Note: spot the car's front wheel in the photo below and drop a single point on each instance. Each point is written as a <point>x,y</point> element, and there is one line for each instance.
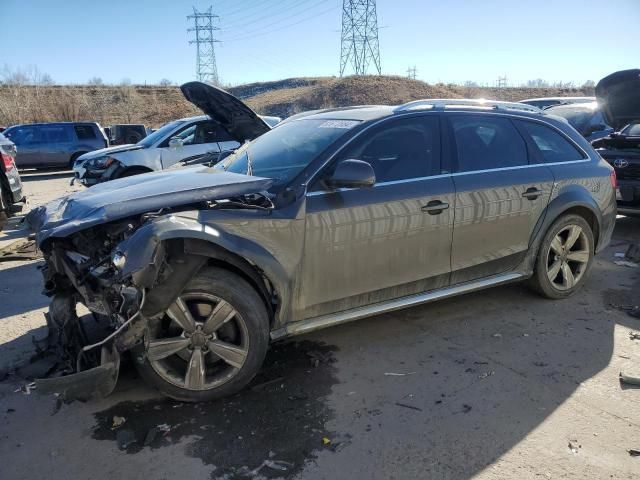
<point>211,341</point>
<point>565,257</point>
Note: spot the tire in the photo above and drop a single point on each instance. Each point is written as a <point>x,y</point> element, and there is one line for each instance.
<point>562,267</point>
<point>130,172</point>
<point>242,338</point>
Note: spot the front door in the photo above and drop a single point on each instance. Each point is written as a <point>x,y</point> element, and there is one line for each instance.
<point>368,245</point>
<point>499,196</point>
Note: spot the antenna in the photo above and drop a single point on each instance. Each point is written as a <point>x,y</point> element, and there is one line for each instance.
<point>206,69</point>
<point>359,42</point>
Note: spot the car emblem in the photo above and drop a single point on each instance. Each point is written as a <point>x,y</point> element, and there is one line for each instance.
<point>620,163</point>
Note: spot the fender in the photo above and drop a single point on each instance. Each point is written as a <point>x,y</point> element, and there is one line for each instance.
<point>142,249</point>
<point>571,196</point>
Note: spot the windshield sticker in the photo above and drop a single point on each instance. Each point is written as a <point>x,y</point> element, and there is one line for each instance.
<point>339,124</point>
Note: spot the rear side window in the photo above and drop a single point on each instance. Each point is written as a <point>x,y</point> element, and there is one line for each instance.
<point>487,142</point>
<point>84,132</point>
<point>553,147</point>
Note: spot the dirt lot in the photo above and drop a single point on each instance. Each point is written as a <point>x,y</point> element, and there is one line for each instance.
<point>495,385</point>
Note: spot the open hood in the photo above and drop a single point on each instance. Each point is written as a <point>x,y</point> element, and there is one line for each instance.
<point>619,96</point>
<point>136,195</point>
<point>240,121</point>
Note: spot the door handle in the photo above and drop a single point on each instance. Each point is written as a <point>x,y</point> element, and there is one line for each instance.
<point>435,207</point>
<point>532,193</point>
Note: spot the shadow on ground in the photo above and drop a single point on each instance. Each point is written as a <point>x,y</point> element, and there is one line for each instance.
<point>438,391</point>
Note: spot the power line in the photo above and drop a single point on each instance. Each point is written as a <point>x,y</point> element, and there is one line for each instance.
<point>270,31</point>
<point>411,72</point>
<point>359,42</point>
<point>278,20</point>
<point>262,15</point>
<point>207,70</point>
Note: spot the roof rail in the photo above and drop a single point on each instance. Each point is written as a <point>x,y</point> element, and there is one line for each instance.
<point>443,103</point>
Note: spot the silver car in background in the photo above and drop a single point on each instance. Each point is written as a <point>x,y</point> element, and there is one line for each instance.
<point>181,141</point>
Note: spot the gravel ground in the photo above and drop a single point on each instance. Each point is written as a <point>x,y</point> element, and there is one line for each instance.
<point>500,384</point>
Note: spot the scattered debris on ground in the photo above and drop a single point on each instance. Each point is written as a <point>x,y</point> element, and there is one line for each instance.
<point>408,406</point>
<point>634,336</point>
<point>486,374</point>
<point>117,422</point>
<point>394,374</point>
<point>634,453</point>
<point>626,263</point>
<point>20,250</point>
<point>574,446</point>
<point>633,253</point>
<point>629,380</point>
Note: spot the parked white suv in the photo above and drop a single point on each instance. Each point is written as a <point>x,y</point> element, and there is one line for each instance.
<point>227,124</point>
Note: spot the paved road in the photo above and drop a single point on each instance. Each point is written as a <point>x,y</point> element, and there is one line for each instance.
<point>499,384</point>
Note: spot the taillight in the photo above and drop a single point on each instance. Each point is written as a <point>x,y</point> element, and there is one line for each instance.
<point>614,179</point>
<point>7,160</point>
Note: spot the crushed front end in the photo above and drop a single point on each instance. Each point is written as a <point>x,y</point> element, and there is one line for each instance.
<point>119,250</point>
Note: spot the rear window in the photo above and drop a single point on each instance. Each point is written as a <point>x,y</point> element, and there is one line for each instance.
<point>84,132</point>
<point>486,142</point>
<point>553,146</point>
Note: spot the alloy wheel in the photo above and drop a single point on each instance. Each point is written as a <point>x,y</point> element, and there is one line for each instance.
<point>200,343</point>
<point>568,257</point>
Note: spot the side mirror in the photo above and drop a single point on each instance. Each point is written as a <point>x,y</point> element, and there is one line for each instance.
<point>352,174</point>
<point>175,142</point>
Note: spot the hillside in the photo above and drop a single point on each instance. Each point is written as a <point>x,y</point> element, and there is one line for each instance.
<point>154,105</point>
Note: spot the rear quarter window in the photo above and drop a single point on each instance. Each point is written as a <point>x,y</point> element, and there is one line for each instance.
<point>84,132</point>
<point>552,146</point>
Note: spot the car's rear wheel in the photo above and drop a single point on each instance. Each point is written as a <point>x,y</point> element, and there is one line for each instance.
<point>565,257</point>
<point>211,341</point>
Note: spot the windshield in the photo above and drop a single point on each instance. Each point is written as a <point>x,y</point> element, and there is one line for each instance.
<point>149,140</point>
<point>284,152</point>
<point>578,117</point>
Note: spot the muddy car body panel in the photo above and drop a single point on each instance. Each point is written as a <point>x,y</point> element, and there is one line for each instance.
<point>336,221</point>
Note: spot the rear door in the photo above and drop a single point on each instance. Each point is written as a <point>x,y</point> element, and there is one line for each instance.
<point>500,195</point>
<point>368,245</point>
<point>198,139</point>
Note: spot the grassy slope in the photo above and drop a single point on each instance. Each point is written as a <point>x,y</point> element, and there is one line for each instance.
<point>156,105</point>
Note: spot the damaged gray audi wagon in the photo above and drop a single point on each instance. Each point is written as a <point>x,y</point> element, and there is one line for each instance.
<point>330,217</point>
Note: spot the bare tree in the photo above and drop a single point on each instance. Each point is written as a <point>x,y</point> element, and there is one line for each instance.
<point>165,82</point>
<point>95,81</point>
<point>537,83</point>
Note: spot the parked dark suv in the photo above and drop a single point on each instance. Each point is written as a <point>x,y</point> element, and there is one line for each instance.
<point>54,144</point>
<point>327,218</point>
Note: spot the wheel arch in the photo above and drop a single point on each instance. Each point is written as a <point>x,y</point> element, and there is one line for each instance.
<point>215,247</point>
<point>576,201</point>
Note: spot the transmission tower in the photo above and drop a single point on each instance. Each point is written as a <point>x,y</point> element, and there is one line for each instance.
<point>207,71</point>
<point>502,82</point>
<point>359,41</point>
<point>411,73</point>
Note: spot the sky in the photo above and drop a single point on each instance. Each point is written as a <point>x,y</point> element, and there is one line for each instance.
<point>446,40</point>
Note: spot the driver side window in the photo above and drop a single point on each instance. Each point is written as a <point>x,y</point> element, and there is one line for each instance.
<point>399,149</point>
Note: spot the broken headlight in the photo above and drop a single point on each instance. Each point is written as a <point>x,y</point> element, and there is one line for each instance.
<point>100,163</point>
